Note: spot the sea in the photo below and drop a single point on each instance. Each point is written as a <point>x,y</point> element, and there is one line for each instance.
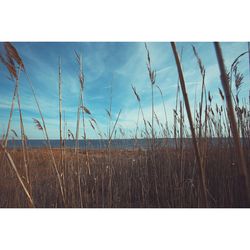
<point>94,143</point>
<point>114,144</point>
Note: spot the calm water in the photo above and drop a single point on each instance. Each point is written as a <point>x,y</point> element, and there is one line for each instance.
<point>92,144</point>
<point>115,144</point>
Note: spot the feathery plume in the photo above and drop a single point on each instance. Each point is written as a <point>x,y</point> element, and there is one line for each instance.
<point>38,124</point>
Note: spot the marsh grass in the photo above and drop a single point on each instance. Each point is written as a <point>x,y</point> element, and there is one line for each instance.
<point>206,166</point>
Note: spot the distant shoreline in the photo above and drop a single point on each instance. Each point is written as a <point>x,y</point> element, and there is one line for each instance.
<point>102,144</point>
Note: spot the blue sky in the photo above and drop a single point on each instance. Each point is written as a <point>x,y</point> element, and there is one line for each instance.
<point>121,64</point>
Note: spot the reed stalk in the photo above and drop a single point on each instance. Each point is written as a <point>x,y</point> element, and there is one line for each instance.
<point>24,150</point>
<point>12,164</point>
<point>60,108</point>
<point>231,116</point>
<point>47,139</point>
<point>196,149</point>
<point>152,77</point>
<point>165,112</point>
<point>203,74</point>
<point>80,105</point>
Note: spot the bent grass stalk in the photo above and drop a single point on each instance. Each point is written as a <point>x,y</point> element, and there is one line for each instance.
<point>12,164</point>
<point>47,139</point>
<point>185,97</point>
<point>231,116</point>
<point>24,150</point>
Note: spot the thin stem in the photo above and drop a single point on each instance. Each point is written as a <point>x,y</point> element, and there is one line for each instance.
<point>186,101</point>
<point>231,116</point>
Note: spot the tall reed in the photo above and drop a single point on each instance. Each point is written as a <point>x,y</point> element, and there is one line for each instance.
<point>232,119</point>
<point>80,104</point>
<point>197,153</point>
<point>60,107</point>
<point>203,74</point>
<point>62,191</point>
<point>24,186</point>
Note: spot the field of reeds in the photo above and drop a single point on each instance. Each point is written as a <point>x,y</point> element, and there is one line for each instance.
<point>208,165</point>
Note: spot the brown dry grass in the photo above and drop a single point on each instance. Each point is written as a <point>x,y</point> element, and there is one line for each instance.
<point>211,173</point>
<point>132,179</point>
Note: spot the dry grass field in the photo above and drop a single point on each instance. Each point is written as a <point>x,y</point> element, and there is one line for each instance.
<point>198,173</point>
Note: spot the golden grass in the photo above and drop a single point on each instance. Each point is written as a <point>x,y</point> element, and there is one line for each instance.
<point>160,175</point>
